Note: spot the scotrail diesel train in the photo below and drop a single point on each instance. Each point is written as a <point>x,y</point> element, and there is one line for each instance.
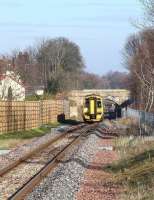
<point>93,109</point>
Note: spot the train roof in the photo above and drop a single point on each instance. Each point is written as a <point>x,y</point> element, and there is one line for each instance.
<point>93,95</point>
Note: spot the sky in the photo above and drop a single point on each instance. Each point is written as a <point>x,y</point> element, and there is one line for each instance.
<point>99,27</point>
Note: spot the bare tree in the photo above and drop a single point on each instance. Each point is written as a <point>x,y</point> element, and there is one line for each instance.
<point>59,60</point>
<point>149,11</point>
<point>118,80</point>
<point>140,61</point>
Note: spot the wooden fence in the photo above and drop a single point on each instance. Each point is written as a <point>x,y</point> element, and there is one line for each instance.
<point>18,116</point>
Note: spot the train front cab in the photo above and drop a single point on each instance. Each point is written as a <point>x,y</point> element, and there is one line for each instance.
<point>93,109</point>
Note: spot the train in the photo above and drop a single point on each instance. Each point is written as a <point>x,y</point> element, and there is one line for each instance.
<point>95,109</point>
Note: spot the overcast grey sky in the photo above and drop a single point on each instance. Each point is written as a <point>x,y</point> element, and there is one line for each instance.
<point>99,27</point>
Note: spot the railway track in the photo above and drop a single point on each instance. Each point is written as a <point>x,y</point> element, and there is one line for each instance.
<point>40,161</point>
<point>50,165</point>
<point>38,149</point>
<point>28,171</point>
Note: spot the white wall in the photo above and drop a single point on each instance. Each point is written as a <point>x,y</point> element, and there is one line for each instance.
<point>18,91</point>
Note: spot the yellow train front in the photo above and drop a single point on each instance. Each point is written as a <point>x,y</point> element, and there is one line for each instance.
<point>93,110</point>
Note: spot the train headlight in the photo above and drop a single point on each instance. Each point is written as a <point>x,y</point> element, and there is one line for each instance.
<point>85,110</point>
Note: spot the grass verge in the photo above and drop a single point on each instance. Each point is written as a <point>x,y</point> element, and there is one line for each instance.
<point>11,140</point>
<point>135,168</point>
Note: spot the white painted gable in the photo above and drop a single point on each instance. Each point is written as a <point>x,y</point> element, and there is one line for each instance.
<point>11,82</point>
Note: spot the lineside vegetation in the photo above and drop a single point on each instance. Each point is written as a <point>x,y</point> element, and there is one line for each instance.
<point>139,60</point>
<point>135,169</point>
<point>12,140</point>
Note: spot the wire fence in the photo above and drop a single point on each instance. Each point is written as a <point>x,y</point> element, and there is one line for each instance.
<point>145,119</point>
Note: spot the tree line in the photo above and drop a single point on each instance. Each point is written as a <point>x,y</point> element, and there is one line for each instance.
<point>57,66</point>
<point>139,60</point>
<point>53,64</point>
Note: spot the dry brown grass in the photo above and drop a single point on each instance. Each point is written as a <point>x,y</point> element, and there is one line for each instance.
<point>135,168</point>
<point>128,121</point>
<point>12,143</point>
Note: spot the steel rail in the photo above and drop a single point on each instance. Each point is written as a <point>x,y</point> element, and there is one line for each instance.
<point>108,131</point>
<point>22,192</point>
<point>38,149</point>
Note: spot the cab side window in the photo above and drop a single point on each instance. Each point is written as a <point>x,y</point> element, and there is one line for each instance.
<point>99,104</point>
<point>87,103</point>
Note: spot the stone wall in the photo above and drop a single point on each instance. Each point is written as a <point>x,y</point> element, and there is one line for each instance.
<point>77,97</point>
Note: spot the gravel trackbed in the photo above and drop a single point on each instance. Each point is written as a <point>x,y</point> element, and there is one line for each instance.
<point>64,182</point>
<point>67,182</point>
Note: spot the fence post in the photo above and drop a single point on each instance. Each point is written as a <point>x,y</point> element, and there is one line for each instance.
<point>41,112</point>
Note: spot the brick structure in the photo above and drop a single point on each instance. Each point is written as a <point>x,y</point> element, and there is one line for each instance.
<point>77,97</point>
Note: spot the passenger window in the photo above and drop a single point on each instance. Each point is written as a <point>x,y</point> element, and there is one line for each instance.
<point>99,104</point>
<point>87,103</point>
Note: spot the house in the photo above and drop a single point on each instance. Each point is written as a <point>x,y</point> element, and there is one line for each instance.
<point>33,90</point>
<point>11,87</point>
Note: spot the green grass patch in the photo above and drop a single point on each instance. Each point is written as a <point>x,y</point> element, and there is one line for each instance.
<point>9,140</point>
<point>135,168</point>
